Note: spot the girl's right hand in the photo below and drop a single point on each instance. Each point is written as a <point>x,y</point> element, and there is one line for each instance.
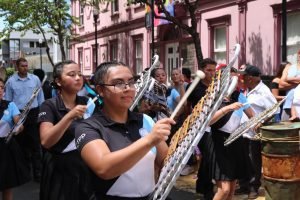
<point>161,130</point>
<point>77,112</point>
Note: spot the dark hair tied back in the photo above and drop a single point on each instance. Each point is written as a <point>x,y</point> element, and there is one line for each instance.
<point>102,69</point>
<point>58,69</point>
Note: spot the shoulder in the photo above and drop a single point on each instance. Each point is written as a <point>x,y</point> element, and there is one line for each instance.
<point>148,122</point>
<point>33,77</point>
<point>11,79</point>
<point>49,103</point>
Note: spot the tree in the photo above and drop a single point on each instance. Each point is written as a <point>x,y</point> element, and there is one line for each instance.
<point>188,5</point>
<point>40,16</point>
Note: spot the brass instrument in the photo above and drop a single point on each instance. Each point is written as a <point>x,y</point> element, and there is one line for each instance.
<point>144,82</point>
<point>25,112</point>
<point>251,123</point>
<point>188,136</point>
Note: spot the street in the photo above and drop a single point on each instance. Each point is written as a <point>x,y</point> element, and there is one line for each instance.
<point>184,190</point>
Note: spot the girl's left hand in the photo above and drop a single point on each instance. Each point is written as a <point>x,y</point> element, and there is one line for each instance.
<point>235,106</point>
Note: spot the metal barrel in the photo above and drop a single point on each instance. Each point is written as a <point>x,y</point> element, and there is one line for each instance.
<point>281,160</point>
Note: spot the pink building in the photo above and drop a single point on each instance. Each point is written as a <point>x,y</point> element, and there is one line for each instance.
<point>121,34</point>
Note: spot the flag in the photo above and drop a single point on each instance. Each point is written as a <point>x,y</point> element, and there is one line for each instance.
<point>169,6</point>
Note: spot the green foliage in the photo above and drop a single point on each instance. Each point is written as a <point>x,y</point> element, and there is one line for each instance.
<point>40,16</point>
<point>10,71</point>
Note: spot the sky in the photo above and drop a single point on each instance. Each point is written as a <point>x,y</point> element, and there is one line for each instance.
<point>1,23</point>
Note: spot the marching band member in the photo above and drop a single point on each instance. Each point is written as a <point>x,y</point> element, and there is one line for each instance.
<point>122,148</point>
<point>260,98</point>
<point>229,163</point>
<point>204,184</point>
<point>13,170</point>
<point>154,102</point>
<point>19,89</point>
<point>64,174</point>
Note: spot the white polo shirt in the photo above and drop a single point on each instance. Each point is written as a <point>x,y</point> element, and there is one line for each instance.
<point>260,99</point>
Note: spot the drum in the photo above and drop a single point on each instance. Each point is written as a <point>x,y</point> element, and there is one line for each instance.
<point>281,160</point>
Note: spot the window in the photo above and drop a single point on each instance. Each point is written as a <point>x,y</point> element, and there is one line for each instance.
<point>218,29</point>
<point>31,44</point>
<point>14,49</point>
<point>80,58</point>
<point>138,56</point>
<point>114,50</point>
<point>81,14</point>
<point>220,44</point>
<point>293,36</point>
<point>187,55</point>
<point>115,6</point>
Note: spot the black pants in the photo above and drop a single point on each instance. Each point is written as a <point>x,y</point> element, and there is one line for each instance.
<point>29,141</point>
<point>255,156</point>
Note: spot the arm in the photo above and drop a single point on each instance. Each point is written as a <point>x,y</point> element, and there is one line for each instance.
<point>223,111</point>
<point>107,164</point>
<point>50,133</point>
<point>249,112</point>
<point>283,84</point>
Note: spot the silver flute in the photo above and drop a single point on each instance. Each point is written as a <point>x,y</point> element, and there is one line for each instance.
<point>188,136</point>
<point>25,112</point>
<point>144,82</point>
<point>253,122</point>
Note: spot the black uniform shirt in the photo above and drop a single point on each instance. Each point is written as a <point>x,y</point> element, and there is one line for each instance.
<point>53,110</point>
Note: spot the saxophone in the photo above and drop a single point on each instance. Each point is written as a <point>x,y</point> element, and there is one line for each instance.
<point>25,112</point>
<point>144,82</point>
<point>193,128</point>
<point>266,114</point>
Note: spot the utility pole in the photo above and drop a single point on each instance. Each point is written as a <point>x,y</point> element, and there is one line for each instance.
<point>284,49</point>
<point>96,16</point>
<point>41,61</point>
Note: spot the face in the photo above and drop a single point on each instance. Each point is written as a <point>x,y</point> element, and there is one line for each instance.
<point>176,76</point>
<point>209,71</point>
<point>247,80</point>
<point>1,89</point>
<point>114,92</point>
<point>23,68</point>
<point>71,79</point>
<point>160,76</point>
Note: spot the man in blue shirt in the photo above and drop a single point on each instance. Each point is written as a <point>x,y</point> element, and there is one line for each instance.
<point>19,89</point>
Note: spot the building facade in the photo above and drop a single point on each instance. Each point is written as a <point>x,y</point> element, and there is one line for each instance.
<point>30,46</point>
<point>121,34</point>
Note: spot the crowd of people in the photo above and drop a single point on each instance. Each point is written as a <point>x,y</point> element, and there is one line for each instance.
<point>79,148</point>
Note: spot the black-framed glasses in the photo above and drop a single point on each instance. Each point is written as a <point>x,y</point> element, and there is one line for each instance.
<point>121,85</point>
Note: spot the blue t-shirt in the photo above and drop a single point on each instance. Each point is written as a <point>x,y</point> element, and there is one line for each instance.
<point>10,113</point>
<point>171,99</point>
<point>6,122</point>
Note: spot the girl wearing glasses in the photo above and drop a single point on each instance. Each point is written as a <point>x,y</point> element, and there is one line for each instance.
<point>122,148</point>
<point>64,175</point>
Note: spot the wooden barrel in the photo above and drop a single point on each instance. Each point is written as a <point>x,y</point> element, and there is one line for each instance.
<point>281,160</point>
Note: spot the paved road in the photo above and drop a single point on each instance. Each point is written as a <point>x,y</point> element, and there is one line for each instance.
<point>30,191</point>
